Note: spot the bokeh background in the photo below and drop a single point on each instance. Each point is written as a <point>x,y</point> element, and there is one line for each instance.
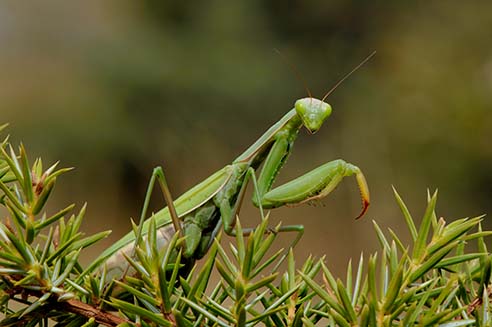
<point>115,88</point>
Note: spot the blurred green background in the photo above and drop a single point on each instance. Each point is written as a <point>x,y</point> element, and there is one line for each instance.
<point>115,88</point>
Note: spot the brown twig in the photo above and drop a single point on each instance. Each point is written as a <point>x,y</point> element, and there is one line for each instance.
<point>75,306</point>
<point>476,302</point>
<point>87,310</point>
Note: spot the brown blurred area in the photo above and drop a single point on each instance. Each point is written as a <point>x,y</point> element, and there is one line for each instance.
<point>116,88</point>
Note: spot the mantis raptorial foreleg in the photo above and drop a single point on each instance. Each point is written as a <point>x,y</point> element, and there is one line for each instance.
<point>229,219</point>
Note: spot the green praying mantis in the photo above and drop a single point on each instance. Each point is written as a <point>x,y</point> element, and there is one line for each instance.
<point>200,213</point>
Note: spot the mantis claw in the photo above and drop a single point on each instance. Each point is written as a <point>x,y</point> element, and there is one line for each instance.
<point>364,193</point>
<point>365,206</point>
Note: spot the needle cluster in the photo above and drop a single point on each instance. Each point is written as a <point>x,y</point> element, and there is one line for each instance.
<point>434,281</point>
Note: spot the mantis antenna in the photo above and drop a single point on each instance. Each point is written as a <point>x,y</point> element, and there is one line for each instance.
<point>348,75</point>
<point>295,71</point>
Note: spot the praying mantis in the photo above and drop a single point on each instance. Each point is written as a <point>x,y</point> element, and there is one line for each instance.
<point>200,213</point>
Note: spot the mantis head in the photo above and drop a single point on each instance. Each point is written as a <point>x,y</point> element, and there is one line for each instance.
<point>312,112</point>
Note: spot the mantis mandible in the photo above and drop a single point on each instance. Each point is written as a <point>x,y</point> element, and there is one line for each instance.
<point>199,213</point>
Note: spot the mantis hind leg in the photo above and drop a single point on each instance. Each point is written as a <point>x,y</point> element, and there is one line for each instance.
<point>157,175</point>
<point>193,222</point>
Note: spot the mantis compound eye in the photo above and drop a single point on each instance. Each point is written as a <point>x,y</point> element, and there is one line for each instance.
<point>313,113</point>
